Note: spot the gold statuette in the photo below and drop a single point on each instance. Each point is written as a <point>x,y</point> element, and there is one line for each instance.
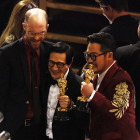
<point>62,112</point>
<point>88,76</point>
<point>62,83</point>
<point>81,103</point>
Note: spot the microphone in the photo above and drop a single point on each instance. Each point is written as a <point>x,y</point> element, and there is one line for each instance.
<point>4,135</point>
<point>1,117</point>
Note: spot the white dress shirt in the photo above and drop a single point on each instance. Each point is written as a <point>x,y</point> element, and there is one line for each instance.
<point>51,106</point>
<point>99,80</point>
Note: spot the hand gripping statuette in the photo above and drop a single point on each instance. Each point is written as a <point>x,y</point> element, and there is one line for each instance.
<point>81,103</point>
<point>62,83</point>
<point>62,112</point>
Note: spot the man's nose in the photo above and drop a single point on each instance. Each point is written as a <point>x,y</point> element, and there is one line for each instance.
<point>55,67</point>
<point>36,37</point>
<point>89,60</point>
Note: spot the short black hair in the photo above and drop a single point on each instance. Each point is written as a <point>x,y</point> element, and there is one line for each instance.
<point>61,47</point>
<point>105,40</point>
<point>118,5</point>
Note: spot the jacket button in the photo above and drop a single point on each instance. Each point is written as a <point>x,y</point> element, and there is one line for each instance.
<point>27,102</point>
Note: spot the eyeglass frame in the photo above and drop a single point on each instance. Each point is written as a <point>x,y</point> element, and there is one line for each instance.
<point>34,34</point>
<point>95,56</point>
<point>41,34</point>
<point>57,64</point>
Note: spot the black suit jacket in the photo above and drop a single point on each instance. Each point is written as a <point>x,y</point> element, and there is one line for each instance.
<point>128,57</point>
<point>124,30</point>
<point>65,130</point>
<point>15,84</point>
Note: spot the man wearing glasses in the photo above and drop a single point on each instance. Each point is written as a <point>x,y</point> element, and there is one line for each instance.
<point>111,95</point>
<point>23,65</point>
<point>122,26</point>
<point>60,61</point>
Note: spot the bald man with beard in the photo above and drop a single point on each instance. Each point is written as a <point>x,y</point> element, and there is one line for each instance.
<point>16,96</point>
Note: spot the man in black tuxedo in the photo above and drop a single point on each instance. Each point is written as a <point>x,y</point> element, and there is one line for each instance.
<point>60,60</point>
<point>16,93</point>
<point>122,26</point>
<point>128,57</point>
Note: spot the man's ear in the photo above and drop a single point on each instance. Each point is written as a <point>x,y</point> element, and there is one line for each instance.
<point>47,26</point>
<point>69,65</point>
<point>110,8</point>
<point>24,26</point>
<point>110,55</point>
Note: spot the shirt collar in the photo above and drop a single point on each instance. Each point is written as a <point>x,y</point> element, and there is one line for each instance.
<point>100,77</point>
<point>66,74</point>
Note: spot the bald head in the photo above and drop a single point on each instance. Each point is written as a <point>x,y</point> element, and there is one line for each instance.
<point>36,15</point>
<point>35,27</point>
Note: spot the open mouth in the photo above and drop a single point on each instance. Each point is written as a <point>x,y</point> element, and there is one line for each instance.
<point>36,42</point>
<point>55,72</point>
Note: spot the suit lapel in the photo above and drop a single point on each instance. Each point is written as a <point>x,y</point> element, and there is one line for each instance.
<point>45,77</point>
<point>24,62</point>
<point>107,78</point>
<point>95,81</point>
<point>138,44</point>
<point>69,80</point>
<point>43,61</point>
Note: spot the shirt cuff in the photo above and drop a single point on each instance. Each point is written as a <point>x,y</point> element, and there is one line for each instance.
<point>91,96</point>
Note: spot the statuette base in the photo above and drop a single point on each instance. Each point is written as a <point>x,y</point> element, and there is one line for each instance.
<point>62,115</point>
<point>82,105</point>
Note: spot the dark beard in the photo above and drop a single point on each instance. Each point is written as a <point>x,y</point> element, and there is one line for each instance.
<point>33,40</point>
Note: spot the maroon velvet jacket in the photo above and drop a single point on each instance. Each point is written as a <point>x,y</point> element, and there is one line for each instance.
<point>112,111</point>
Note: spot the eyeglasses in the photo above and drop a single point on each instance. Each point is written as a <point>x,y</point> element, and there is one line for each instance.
<point>59,64</point>
<point>92,55</point>
<point>41,34</point>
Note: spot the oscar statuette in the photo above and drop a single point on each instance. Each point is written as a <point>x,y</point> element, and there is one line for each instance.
<point>81,103</point>
<point>4,135</point>
<point>62,112</point>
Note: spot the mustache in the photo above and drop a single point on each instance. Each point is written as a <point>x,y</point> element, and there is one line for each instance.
<point>34,40</point>
<point>92,64</point>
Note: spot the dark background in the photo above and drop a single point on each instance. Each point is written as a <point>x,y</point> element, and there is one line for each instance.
<point>68,22</point>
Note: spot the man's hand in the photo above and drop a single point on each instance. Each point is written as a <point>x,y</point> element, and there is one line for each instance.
<point>64,101</point>
<point>84,67</point>
<point>87,89</point>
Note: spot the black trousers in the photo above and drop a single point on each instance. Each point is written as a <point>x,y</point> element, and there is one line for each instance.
<point>33,132</point>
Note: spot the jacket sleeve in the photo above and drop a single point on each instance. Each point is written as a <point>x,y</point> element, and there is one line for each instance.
<point>4,79</point>
<point>116,101</point>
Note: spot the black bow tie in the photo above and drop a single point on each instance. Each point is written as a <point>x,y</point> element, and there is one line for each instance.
<point>53,81</point>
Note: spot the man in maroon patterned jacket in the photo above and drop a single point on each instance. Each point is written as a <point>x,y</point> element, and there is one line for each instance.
<point>111,96</point>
